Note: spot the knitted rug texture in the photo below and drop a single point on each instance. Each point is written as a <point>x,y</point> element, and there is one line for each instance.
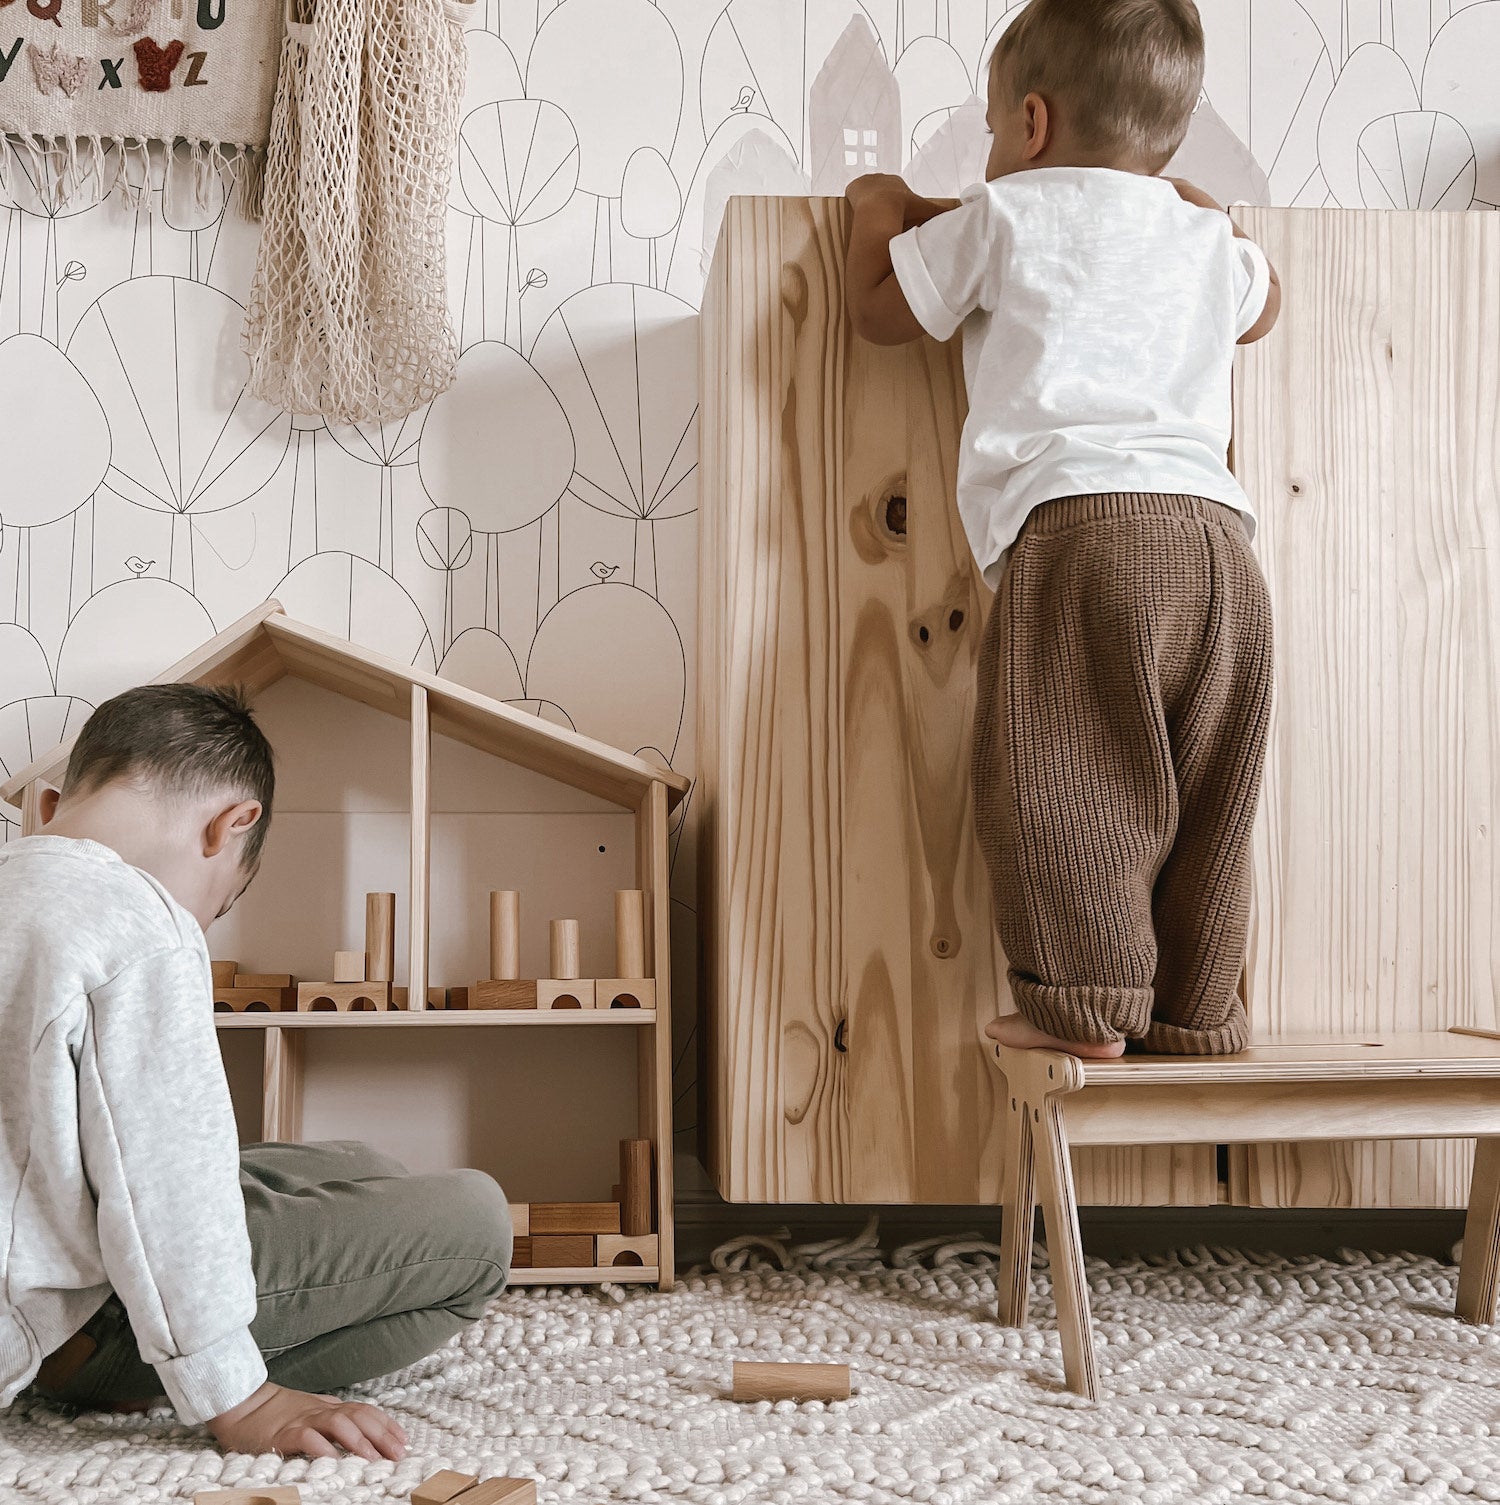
<point>1226,1376</point>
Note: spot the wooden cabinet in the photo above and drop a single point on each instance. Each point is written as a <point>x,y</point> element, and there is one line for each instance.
<point>849,958</point>
<point>848,955</point>
<point>1367,433</point>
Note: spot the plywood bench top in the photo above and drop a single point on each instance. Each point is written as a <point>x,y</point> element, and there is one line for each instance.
<point>1290,1058</point>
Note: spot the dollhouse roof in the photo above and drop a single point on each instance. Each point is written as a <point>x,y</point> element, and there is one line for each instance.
<point>266,644</point>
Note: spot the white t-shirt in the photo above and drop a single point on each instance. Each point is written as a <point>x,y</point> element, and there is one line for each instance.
<point>1100,314</point>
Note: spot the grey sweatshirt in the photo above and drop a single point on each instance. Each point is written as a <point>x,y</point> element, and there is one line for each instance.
<point>119,1161</point>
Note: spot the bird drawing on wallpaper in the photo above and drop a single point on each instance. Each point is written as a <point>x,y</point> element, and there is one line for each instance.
<point>138,566</point>
<point>746,99</point>
<point>601,570</point>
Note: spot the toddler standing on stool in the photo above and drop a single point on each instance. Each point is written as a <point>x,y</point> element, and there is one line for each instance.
<point>1125,675</point>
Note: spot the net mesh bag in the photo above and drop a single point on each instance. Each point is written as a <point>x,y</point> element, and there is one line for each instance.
<point>348,310</point>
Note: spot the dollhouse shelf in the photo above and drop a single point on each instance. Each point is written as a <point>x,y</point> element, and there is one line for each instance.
<point>585,1275</point>
<point>266,645</point>
<point>405,1019</point>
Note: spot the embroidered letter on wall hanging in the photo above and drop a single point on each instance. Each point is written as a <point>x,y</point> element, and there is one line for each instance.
<point>156,63</point>
<point>56,69</point>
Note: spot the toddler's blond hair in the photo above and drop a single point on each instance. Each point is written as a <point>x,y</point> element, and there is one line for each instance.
<point>1129,70</point>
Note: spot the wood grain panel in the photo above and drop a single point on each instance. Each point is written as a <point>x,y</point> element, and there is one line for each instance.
<point>848,952</point>
<point>1366,436</point>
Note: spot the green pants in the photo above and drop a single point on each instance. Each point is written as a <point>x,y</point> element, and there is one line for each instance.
<point>361,1269</point>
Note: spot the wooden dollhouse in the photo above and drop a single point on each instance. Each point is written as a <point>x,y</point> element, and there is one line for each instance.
<point>265,646</point>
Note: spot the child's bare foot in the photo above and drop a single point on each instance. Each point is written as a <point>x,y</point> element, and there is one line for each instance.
<point>1018,1032</point>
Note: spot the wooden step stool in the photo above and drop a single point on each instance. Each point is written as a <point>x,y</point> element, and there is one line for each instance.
<point>1419,1086</point>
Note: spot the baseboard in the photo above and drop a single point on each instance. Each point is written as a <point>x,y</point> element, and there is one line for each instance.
<point>705,1220</point>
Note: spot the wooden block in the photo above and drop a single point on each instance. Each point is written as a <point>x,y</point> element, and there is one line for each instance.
<point>500,1492</point>
<point>503,993</point>
<point>458,998</point>
<point>380,936</point>
<point>520,1218</point>
<point>224,973</point>
<point>630,932</point>
<point>437,998</point>
<point>624,992</point>
<point>442,1487</point>
<point>574,1217</point>
<point>621,1249</point>
<point>635,1182</point>
<point>565,993</point>
<point>264,1494</point>
<point>564,936</point>
<point>239,1000</point>
<point>521,1253</point>
<point>350,966</point>
<point>560,1251</point>
<point>344,997</point>
<point>505,933</point>
<point>262,979</point>
<point>791,1381</point>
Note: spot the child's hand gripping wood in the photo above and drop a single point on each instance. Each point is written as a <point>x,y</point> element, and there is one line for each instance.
<point>883,207</point>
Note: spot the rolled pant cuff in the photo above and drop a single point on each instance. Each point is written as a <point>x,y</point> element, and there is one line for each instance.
<point>1223,1040</point>
<point>1083,1013</point>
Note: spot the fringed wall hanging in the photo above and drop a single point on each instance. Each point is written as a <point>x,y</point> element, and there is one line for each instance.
<point>348,312</point>
<point>87,86</point>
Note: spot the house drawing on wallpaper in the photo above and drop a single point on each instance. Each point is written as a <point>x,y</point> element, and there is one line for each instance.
<point>267,645</point>
<point>854,112</point>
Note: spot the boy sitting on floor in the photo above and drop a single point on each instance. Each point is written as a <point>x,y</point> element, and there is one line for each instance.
<point>141,1250</point>
<point>1125,677</point>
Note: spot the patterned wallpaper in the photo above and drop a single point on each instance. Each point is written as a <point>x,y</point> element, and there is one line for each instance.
<point>531,534</point>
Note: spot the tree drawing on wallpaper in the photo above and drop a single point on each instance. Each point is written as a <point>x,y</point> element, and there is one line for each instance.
<point>32,190</point>
<point>933,81</point>
<point>629,688</point>
<point>128,633</point>
<point>518,164</point>
<point>1418,159</point>
<point>387,446</point>
<point>446,542</point>
<point>650,203</point>
<point>497,445</point>
<point>748,153</point>
<point>187,438</point>
<point>622,361</point>
<point>750,45</point>
<point>350,597</point>
<point>57,452</point>
<point>589,59</point>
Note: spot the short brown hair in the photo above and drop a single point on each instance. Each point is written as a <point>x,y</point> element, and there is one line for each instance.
<point>1130,69</point>
<point>185,740</point>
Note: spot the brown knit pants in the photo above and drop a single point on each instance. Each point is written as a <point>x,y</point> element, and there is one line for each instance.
<point>1124,697</point>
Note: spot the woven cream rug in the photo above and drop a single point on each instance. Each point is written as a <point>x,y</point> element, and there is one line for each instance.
<point>1228,1377</point>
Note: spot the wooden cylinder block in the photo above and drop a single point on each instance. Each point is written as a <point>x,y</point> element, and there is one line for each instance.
<point>791,1381</point>
<point>505,933</point>
<point>630,933</point>
<point>635,1186</point>
<point>380,936</point>
<point>565,949</point>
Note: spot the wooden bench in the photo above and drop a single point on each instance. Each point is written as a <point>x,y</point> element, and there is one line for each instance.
<point>1416,1086</point>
